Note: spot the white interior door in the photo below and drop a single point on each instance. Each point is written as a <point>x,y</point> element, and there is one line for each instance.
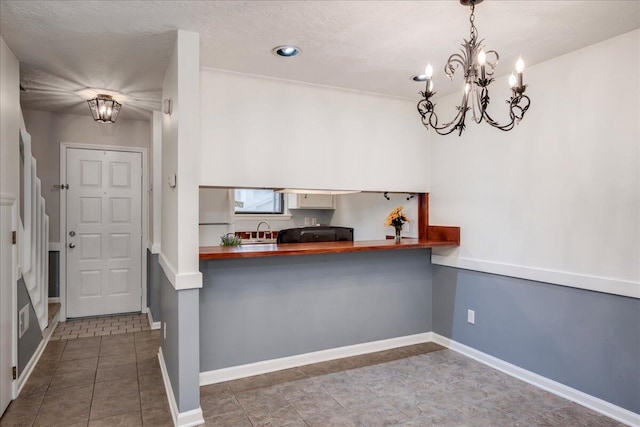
<point>104,232</point>
<point>6,289</point>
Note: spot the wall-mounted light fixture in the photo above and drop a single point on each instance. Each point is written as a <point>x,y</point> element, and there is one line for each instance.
<point>104,108</point>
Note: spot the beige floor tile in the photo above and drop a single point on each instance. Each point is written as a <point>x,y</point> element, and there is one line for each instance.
<point>132,419</point>
<point>147,382</point>
<point>153,398</point>
<point>69,366</point>
<point>232,419</point>
<point>67,395</point>
<point>148,366</point>
<point>106,389</point>
<point>80,353</point>
<point>157,417</point>
<point>115,405</point>
<point>149,335</point>
<point>72,379</point>
<point>126,358</point>
<point>64,414</point>
<point>117,339</point>
<point>112,373</point>
<point>115,349</point>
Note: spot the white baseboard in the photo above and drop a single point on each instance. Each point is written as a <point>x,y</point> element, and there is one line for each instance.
<point>19,383</point>
<point>559,389</point>
<point>55,247</point>
<point>54,300</point>
<point>263,367</point>
<point>180,419</point>
<point>153,325</point>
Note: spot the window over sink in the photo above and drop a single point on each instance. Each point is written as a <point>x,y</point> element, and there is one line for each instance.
<point>258,202</point>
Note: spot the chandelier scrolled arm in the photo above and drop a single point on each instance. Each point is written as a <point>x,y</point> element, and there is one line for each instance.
<point>478,67</point>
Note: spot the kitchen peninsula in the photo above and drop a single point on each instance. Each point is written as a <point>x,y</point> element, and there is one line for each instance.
<point>289,249</point>
<point>264,307</point>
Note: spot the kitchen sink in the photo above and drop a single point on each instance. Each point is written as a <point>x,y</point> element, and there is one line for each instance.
<point>258,241</point>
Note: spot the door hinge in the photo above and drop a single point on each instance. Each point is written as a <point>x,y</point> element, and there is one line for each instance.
<point>14,372</point>
<point>14,238</point>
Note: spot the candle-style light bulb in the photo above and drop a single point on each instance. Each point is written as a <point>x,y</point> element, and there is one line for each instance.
<point>520,65</point>
<point>512,80</point>
<point>430,86</point>
<point>482,58</point>
<point>428,71</point>
<point>467,88</point>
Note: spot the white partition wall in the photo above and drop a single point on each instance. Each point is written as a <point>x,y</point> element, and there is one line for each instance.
<point>267,133</point>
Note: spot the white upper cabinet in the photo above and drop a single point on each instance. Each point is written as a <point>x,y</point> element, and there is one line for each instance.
<point>265,133</point>
<point>311,201</point>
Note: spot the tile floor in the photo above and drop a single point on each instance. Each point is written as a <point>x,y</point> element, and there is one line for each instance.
<point>422,385</point>
<point>100,326</point>
<point>112,380</point>
<point>115,380</point>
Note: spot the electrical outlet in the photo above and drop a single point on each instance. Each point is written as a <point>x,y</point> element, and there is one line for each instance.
<point>23,320</point>
<point>471,317</point>
<point>314,221</point>
<point>306,220</point>
<point>164,330</point>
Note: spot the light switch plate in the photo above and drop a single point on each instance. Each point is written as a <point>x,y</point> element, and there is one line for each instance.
<point>23,320</point>
<point>471,317</point>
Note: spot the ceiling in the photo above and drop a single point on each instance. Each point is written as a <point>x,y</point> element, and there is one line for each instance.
<point>69,50</point>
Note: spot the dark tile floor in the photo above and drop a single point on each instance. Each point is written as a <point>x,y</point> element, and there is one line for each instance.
<point>112,380</point>
<point>422,385</point>
<point>116,381</point>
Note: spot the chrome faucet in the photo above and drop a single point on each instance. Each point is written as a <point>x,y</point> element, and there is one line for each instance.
<point>258,229</point>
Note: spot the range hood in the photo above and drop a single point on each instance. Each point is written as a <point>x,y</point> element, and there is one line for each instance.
<point>307,191</point>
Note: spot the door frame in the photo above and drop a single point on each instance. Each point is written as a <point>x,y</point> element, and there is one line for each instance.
<point>13,202</point>
<point>63,218</point>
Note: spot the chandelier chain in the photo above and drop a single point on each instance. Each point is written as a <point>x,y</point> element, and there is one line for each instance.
<point>473,33</point>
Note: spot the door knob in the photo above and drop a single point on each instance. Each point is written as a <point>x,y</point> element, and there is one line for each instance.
<point>72,245</point>
<point>72,233</point>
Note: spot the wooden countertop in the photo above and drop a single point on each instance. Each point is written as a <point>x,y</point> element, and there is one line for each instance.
<point>289,249</point>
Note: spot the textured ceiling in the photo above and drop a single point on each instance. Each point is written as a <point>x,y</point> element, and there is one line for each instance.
<point>68,49</point>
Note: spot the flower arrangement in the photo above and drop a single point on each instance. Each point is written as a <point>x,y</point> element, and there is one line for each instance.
<point>396,218</point>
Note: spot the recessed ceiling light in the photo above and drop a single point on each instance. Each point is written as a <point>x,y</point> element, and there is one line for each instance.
<point>419,78</point>
<point>287,51</point>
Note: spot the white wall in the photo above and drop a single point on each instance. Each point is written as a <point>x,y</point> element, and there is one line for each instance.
<point>180,142</point>
<point>155,173</point>
<point>557,199</point>
<point>366,213</point>
<point>260,132</point>
<point>9,123</point>
<point>49,129</point>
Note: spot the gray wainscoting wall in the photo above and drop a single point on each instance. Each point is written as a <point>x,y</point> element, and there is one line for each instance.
<point>179,313</point>
<point>31,339</point>
<point>154,280</point>
<point>586,340</point>
<point>54,274</point>
<point>256,309</point>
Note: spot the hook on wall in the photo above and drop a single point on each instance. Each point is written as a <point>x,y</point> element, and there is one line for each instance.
<point>386,195</point>
<point>411,196</point>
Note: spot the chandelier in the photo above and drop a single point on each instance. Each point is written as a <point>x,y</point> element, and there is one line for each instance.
<point>104,108</point>
<point>478,66</point>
